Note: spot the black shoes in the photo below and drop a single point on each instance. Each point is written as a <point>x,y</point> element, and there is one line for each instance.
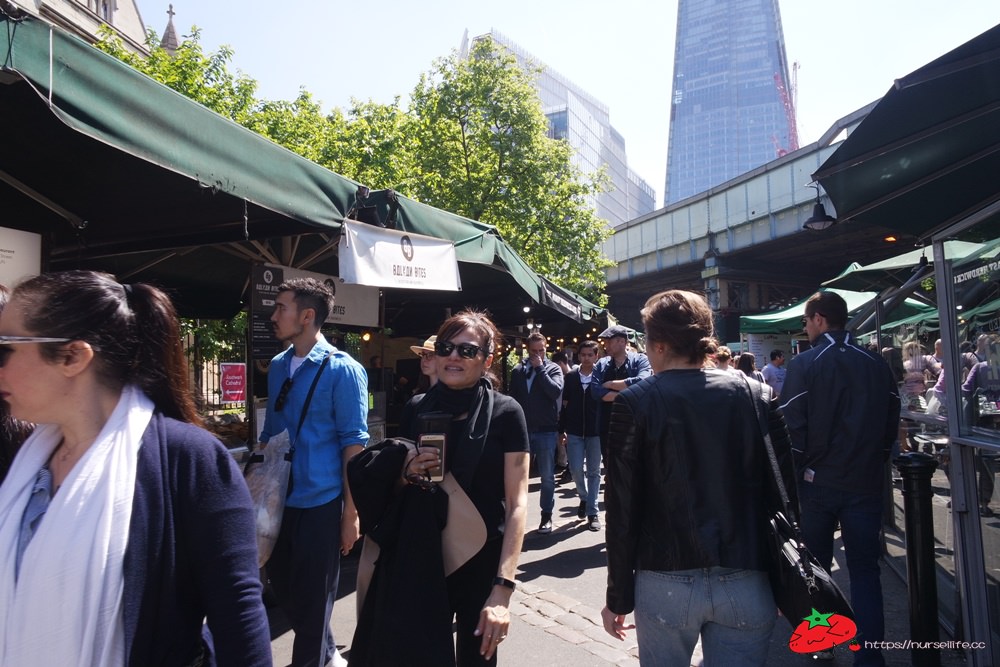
<point>581,511</point>
<point>594,524</point>
<point>545,527</point>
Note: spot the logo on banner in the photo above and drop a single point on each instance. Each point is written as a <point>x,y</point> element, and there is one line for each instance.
<point>268,276</point>
<point>407,245</point>
<point>332,284</point>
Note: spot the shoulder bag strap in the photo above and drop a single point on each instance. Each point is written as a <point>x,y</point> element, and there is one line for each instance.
<point>305,406</point>
<point>757,398</point>
<point>302,418</point>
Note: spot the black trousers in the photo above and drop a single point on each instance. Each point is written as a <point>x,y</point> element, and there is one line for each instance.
<point>304,570</point>
<point>468,588</point>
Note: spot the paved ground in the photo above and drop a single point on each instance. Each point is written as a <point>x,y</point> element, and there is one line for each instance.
<point>556,609</point>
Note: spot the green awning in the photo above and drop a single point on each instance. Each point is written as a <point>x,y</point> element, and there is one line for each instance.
<point>895,271</point>
<point>928,154</point>
<point>789,320</point>
<point>122,174</point>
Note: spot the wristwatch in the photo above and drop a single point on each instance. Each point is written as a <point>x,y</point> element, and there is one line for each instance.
<point>506,583</point>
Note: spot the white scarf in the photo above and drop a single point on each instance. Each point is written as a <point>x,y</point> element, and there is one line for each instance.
<point>66,608</point>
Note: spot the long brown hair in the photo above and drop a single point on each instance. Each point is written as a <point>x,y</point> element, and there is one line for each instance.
<point>133,329</point>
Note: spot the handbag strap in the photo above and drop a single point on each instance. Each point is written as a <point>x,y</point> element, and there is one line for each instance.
<point>305,406</point>
<point>757,398</point>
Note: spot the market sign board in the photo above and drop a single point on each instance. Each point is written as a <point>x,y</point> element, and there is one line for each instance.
<point>372,255</point>
<point>20,255</point>
<point>356,305</point>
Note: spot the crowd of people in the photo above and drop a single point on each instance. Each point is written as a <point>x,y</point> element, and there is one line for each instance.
<point>112,467</point>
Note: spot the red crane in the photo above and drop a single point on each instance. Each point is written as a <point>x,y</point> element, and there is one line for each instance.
<point>789,106</point>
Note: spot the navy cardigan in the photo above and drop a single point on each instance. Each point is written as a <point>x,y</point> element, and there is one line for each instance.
<point>191,555</point>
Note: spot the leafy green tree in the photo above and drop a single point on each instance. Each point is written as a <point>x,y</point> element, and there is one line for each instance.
<point>482,150</point>
<point>205,78</point>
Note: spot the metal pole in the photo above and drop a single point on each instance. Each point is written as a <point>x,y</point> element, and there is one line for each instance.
<point>921,573</point>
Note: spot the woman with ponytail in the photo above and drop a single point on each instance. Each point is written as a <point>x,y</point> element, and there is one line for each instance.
<point>123,526</point>
<point>687,492</point>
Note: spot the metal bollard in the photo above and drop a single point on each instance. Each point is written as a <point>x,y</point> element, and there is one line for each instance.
<point>916,469</point>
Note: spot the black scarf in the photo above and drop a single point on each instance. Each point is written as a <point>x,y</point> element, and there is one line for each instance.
<point>477,401</point>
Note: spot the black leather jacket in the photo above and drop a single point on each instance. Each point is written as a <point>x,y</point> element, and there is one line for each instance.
<point>689,482</point>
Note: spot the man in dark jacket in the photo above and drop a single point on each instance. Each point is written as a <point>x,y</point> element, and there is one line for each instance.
<point>578,421</point>
<point>621,368</point>
<point>842,409</point>
<point>536,384</point>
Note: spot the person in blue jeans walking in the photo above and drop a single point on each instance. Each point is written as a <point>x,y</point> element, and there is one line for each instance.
<point>536,384</point>
<point>842,407</point>
<point>578,420</point>
<point>687,490</point>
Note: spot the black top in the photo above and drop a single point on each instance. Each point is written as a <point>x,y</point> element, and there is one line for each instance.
<point>507,433</point>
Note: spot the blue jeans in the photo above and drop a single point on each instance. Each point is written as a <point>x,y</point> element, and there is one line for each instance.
<point>732,610</point>
<point>578,448</point>
<point>860,517</point>
<point>543,448</point>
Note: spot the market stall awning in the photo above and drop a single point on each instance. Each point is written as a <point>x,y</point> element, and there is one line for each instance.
<point>120,173</point>
<point>789,320</point>
<point>894,271</point>
<point>928,154</point>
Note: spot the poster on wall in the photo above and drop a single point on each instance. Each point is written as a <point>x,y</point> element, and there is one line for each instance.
<point>20,255</point>
<point>762,344</point>
<point>356,305</point>
<point>233,381</point>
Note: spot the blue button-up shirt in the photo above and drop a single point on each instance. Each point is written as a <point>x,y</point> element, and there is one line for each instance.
<point>337,418</point>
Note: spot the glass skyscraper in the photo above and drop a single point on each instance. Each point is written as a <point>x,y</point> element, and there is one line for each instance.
<point>584,122</point>
<point>732,104</point>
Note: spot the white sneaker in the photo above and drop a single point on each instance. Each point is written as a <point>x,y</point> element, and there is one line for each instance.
<point>337,660</point>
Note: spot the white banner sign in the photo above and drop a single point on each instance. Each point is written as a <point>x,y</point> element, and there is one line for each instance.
<point>20,255</point>
<point>389,258</point>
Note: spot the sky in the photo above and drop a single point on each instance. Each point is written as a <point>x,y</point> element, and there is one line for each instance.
<point>849,51</point>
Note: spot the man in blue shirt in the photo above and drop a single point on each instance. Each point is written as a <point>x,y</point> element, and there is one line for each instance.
<point>304,568</point>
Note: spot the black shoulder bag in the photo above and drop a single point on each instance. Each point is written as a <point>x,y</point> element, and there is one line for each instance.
<point>799,583</point>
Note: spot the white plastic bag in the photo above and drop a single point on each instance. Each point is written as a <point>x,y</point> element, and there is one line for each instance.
<point>266,474</point>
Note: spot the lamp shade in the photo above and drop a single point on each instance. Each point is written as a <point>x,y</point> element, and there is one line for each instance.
<point>819,220</point>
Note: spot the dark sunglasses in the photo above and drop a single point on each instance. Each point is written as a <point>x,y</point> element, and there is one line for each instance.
<point>282,397</point>
<point>7,341</point>
<point>465,350</point>
<point>806,318</point>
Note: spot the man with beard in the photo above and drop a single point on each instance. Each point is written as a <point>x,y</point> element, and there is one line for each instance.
<point>305,566</point>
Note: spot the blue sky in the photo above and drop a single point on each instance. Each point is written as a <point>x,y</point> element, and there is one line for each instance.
<point>849,51</point>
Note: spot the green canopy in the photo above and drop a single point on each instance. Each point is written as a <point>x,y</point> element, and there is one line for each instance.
<point>895,271</point>
<point>120,173</point>
<point>789,320</point>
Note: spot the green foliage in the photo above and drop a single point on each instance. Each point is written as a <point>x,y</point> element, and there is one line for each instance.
<point>215,340</point>
<point>483,152</point>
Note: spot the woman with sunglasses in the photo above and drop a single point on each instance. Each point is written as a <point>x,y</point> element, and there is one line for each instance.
<point>122,524</point>
<point>487,454</point>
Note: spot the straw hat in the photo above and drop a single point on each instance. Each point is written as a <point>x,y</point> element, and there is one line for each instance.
<point>428,346</point>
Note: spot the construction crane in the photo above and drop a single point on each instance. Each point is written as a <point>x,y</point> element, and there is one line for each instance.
<point>787,101</point>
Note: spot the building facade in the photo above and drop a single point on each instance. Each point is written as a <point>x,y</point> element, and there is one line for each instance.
<point>732,106</point>
<point>584,121</point>
<point>83,18</point>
